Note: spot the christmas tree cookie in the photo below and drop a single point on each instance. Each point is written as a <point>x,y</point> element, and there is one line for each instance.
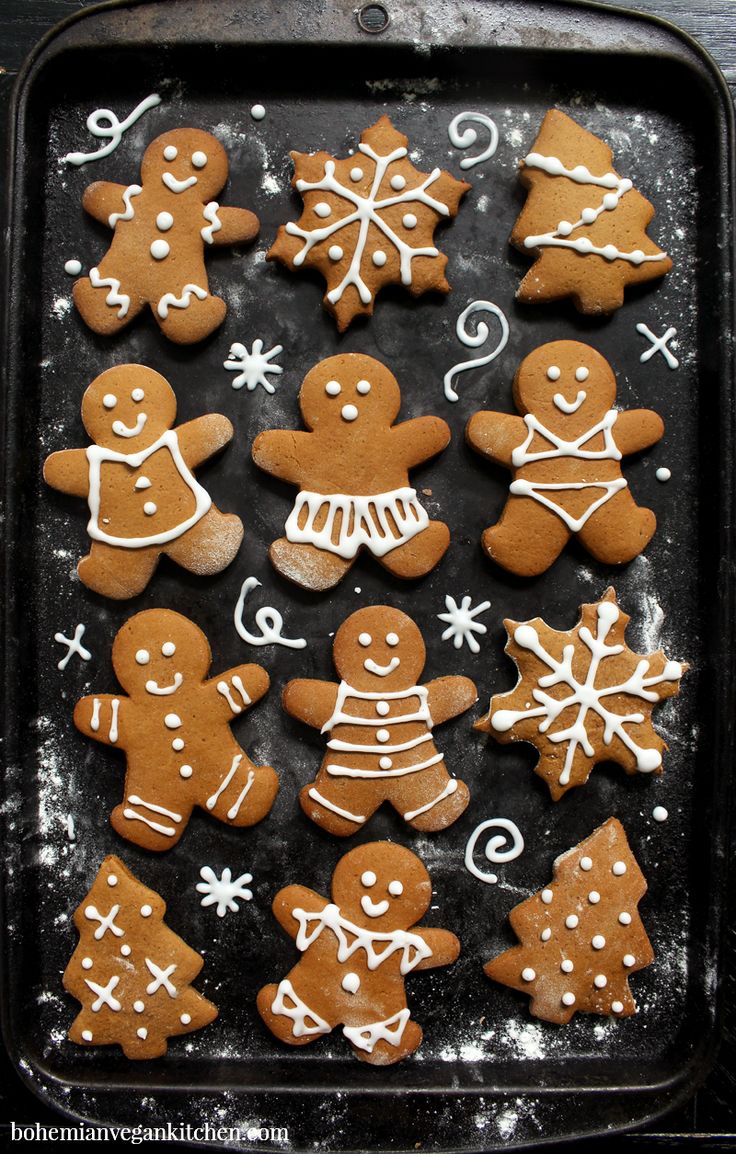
<point>581,936</point>
<point>132,974</point>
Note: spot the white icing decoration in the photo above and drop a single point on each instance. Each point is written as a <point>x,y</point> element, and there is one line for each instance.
<point>175,185</point>
<point>461,623</point>
<point>409,220</point>
<point>617,1007</point>
<point>363,387</point>
<point>113,732</point>
<point>114,297</point>
<point>381,670</point>
<point>528,974</point>
<point>362,521</point>
<point>168,649</point>
<point>199,159</point>
<point>209,212</point>
<point>367,212</point>
<point>349,413</point>
<point>185,771</point>
<point>628,959</point>
<point>269,621</point>
<point>659,345</point>
<point>553,373</point>
<point>73,267</point>
<point>258,112</point>
<point>164,221</point>
<point>125,950</point>
<point>97,455</point>
<point>475,340</point>
<point>568,998</point>
<point>373,909</point>
<point>547,895</point>
<point>395,888</point>
<point>146,911</point>
<point>74,645</point>
<point>659,813</point>
<point>133,815</point>
<point>106,921</point>
<point>128,194</point>
<point>143,657</point>
<point>298,1011</point>
<point>586,863</point>
<point>598,942</point>
<point>582,374</point>
<point>105,125</point>
<point>87,963</point>
<point>398,182</point>
<point>323,209</point>
<point>223,891</point>
<point>333,388</point>
<point>392,639</point>
<point>160,978</point>
<point>317,796</point>
<point>379,258</point>
<point>334,252</point>
<point>618,869</point>
<point>112,879</point>
<point>105,995</point>
<point>172,721</point>
<point>156,690</point>
<point>350,983</point>
<point>624,918</point>
<point>567,966</point>
<point>663,474</point>
<point>600,981</point>
<point>212,801</point>
<point>572,921</point>
<point>494,850</point>
<point>566,406</point>
<point>468,136</point>
<point>390,1030</point>
<point>368,878</point>
<point>95,719</point>
<point>253,367</point>
<point>177,744</point>
<point>160,249</point>
<point>449,789</point>
<point>171,152</point>
<point>109,400</point>
<point>150,508</point>
<point>185,1019</point>
<point>120,429</point>
<point>137,395</point>
<point>171,300</point>
<point>356,174</point>
<point>594,897</point>
<point>351,938</point>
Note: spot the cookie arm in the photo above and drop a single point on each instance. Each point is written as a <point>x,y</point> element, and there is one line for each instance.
<point>235,690</point>
<point>495,435</point>
<point>281,453</point>
<point>103,198</point>
<point>68,471</point>
<point>310,701</point>
<point>449,697</point>
<point>295,897</point>
<point>444,945</point>
<point>419,439</point>
<point>637,429</point>
<point>204,436</point>
<point>238,224</point>
<point>99,717</point>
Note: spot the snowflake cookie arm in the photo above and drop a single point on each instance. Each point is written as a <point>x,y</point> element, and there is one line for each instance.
<point>295,898</point>
<point>201,438</point>
<point>448,697</point>
<point>637,429</point>
<point>419,439</point>
<point>235,690</point>
<point>444,945</point>
<point>281,453</point>
<point>103,717</point>
<point>495,435</point>
<point>310,701</point>
<point>68,471</point>
<point>237,225</point>
<point>104,199</point>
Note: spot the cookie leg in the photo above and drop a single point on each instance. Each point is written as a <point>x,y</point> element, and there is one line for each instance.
<point>430,800</point>
<point>117,573</point>
<point>384,1043</point>
<point>527,539</point>
<point>108,308</point>
<point>340,807</point>
<point>150,823</point>
<point>210,545</point>
<point>419,556</point>
<point>244,794</point>
<point>619,530</point>
<point>288,1016</point>
<point>192,320</point>
<point>305,565</point>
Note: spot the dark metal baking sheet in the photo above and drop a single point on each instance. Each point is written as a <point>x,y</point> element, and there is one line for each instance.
<point>487,1074</point>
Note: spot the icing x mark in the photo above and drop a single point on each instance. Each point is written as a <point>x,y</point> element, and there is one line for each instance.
<point>494,850</point>
<point>269,621</point>
<point>468,136</point>
<point>475,340</point>
<point>74,645</point>
<point>105,125</point>
<point>659,345</point>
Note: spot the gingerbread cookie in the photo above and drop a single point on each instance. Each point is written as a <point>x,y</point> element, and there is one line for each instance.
<point>584,225</point>
<point>352,469</point>
<point>131,973</point>
<point>583,696</point>
<point>368,221</point>
<point>379,724</point>
<point>174,728</point>
<point>162,227</point>
<point>565,452</point>
<point>357,950</point>
<point>137,477</point>
<point>581,937</point>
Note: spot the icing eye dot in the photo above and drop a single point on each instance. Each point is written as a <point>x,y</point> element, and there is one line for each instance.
<point>356,174</point>
<point>164,221</point>
<point>398,182</point>
<point>109,400</point>
<point>368,878</point>
<point>199,159</point>
<point>582,373</point>
<point>379,258</point>
<point>170,152</point>
<point>137,394</point>
<point>333,388</point>
<point>322,209</point>
<point>553,373</point>
<point>334,252</point>
<point>363,387</point>
<point>143,657</point>
<point>365,640</point>
<point>392,639</point>
<point>168,649</point>
<point>396,889</point>
<point>409,221</point>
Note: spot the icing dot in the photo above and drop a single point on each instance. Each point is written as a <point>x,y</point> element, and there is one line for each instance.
<point>398,182</point>
<point>322,209</point>
<point>349,413</point>
<point>617,1007</point>
<point>582,373</point>
<point>365,640</point>
<point>125,950</point>
<point>395,888</point>
<point>177,744</point>
<point>257,112</point>
<point>571,921</point>
<point>137,395</point>
<point>610,200</point>
<point>385,762</point>
<point>109,400</point>
<point>146,911</point>
<point>382,708</point>
<point>351,983</point>
<point>87,1035</point>
<point>663,474</point>
<point>73,267</point>
<point>150,508</point>
<point>618,868</point>
<point>112,879</point>
<point>143,657</point>
<point>170,152</point>
<point>185,771</point>
<point>567,967</point>
<point>637,256</point>
<point>546,934</point>
<point>168,649</point>
<point>382,735</point>
<point>659,813</point>
<point>600,981</point>
<point>87,963</point>
<point>609,251</point>
<point>528,974</point>
<point>334,252</point>
<point>629,960</point>
<point>356,174</point>
<point>142,1033</point>
<point>588,215</point>
<point>363,387</point>
<point>139,1006</point>
<point>568,999</point>
<point>379,258</point>
<point>185,1019</point>
<point>392,639</point>
<point>586,863</point>
<point>547,896</point>
<point>598,942</point>
<point>553,373</point>
<point>594,897</point>
<point>564,228</point>
<point>409,221</point>
<point>199,159</point>
<point>160,249</point>
<point>172,721</point>
<point>333,388</point>
<point>368,878</point>
<point>164,221</point>
<point>585,245</point>
<point>624,918</point>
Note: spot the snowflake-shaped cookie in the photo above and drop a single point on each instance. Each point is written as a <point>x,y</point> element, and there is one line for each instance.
<point>223,890</point>
<point>368,221</point>
<point>583,696</point>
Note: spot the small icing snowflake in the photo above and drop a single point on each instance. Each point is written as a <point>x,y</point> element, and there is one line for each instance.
<point>461,623</point>
<point>223,890</point>
<point>255,365</point>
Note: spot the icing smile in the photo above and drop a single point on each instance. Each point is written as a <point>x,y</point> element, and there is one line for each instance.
<point>569,406</point>
<point>381,670</point>
<point>163,691</point>
<point>122,430</point>
<point>178,185</point>
<point>373,909</point>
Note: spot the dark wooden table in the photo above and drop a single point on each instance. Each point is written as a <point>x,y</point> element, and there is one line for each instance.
<point>708,1121</point>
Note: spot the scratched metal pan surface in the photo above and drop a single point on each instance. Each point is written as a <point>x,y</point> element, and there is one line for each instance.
<point>487,1074</point>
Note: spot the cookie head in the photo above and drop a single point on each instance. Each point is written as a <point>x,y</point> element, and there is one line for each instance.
<point>157,652</point>
<point>382,886</point>
<point>349,391</point>
<point>184,159</point>
<point>379,649</point>
<point>565,384</point>
<point>128,407</point>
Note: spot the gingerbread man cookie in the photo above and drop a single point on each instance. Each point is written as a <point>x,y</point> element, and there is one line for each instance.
<point>174,728</point>
<point>565,452</point>
<point>357,950</point>
<point>137,478</point>
<point>379,724</point>
<point>352,469</point>
<point>162,227</point>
